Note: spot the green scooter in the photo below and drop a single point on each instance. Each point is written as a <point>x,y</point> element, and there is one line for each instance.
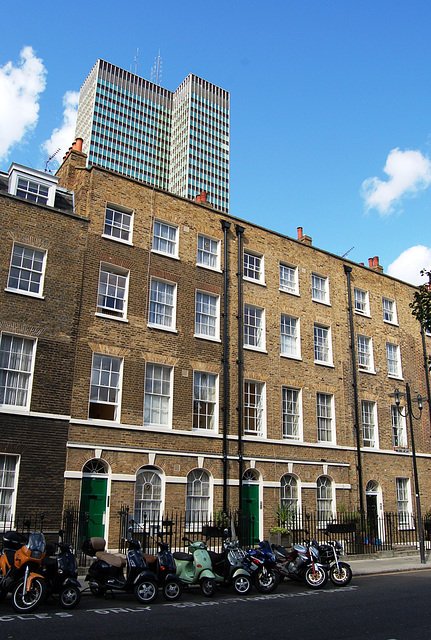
<point>194,568</point>
<point>229,568</point>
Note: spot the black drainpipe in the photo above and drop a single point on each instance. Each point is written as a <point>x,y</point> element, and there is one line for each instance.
<point>239,231</point>
<point>348,271</point>
<point>427,365</point>
<point>225,226</point>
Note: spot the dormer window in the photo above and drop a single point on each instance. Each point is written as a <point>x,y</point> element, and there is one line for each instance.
<point>32,185</point>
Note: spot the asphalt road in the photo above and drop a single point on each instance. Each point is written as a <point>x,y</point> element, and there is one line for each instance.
<point>380,607</point>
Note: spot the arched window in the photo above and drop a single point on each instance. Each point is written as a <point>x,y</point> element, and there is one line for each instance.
<point>94,467</point>
<point>289,493</point>
<point>198,497</point>
<point>324,499</point>
<point>250,475</point>
<point>148,495</point>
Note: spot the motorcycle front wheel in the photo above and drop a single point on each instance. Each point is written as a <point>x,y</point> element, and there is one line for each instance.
<point>208,587</point>
<point>242,584</point>
<point>146,591</point>
<point>317,578</point>
<point>172,590</point>
<point>29,600</point>
<point>266,580</point>
<point>341,576</point>
<point>70,597</point>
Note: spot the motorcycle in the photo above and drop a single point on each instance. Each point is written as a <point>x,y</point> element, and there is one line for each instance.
<point>261,563</point>
<point>340,573</point>
<point>106,573</point>
<point>20,570</point>
<point>301,563</point>
<point>195,568</point>
<point>61,575</point>
<point>228,567</point>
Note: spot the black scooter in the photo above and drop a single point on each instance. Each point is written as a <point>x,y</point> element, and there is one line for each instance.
<point>106,573</point>
<point>61,574</point>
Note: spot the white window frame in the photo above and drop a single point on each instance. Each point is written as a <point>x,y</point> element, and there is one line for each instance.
<point>364,346</point>
<point>8,487</point>
<point>105,384</point>
<point>24,264</point>
<point>291,413</point>
<point>325,495</point>
<point>149,491</point>
<point>254,267</point>
<point>110,286</point>
<point>207,315</point>
<point>404,503</point>
<point>198,499</point>
<point>160,228</point>
<point>254,332</point>
<point>166,300</point>
<point>392,359</point>
<point>389,315</point>
<point>288,285</point>
<point>49,182</point>
<point>208,256</point>
<point>399,429</point>
<point>17,370</point>
<point>158,391</point>
<point>322,340</point>
<point>205,401</point>
<point>290,340</point>
<point>290,494</point>
<point>254,413</point>
<point>120,227</point>
<point>370,428</point>
<point>325,413</point>
<point>319,288</point>
<point>361,301</point>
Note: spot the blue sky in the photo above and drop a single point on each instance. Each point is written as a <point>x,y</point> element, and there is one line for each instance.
<point>325,95</point>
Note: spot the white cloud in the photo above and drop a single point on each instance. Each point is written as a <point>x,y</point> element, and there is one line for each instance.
<point>63,137</point>
<point>20,87</point>
<point>408,171</point>
<point>409,264</point>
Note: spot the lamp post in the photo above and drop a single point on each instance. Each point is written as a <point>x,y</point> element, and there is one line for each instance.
<point>409,413</point>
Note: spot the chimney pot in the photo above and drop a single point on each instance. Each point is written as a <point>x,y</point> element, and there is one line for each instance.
<point>78,144</point>
<point>299,229</point>
<point>376,261</point>
<point>370,262</point>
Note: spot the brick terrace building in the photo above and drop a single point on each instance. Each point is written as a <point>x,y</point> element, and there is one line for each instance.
<point>214,366</point>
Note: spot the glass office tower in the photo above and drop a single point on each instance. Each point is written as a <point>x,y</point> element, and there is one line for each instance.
<point>178,141</point>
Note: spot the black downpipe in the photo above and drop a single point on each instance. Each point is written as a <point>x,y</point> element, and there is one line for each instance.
<point>226,226</point>
<point>348,271</point>
<point>426,367</point>
<point>239,231</point>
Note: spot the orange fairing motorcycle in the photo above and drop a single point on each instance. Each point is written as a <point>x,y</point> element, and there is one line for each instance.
<point>19,565</point>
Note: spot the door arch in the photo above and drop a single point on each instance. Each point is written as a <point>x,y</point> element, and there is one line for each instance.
<point>94,499</point>
<point>250,506</point>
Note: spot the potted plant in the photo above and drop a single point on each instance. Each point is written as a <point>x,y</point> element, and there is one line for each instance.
<point>281,533</point>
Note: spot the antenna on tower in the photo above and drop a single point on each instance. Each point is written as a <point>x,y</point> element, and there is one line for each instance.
<point>347,252</point>
<point>49,160</point>
<point>136,61</point>
<point>156,70</point>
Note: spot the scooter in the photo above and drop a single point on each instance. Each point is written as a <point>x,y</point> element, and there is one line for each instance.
<point>61,574</point>
<point>340,573</point>
<point>106,573</point>
<point>20,571</point>
<point>229,569</point>
<point>195,568</point>
<point>301,563</point>
<point>261,563</point>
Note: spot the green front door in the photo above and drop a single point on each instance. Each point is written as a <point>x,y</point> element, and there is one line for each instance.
<point>93,506</point>
<point>250,513</point>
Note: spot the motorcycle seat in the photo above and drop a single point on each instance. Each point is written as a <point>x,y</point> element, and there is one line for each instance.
<point>149,559</point>
<point>281,550</point>
<point>111,558</point>
<point>178,555</point>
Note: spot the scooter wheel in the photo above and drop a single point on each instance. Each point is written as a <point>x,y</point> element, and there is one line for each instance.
<point>208,587</point>
<point>146,591</point>
<point>172,590</point>
<point>242,585</point>
<point>30,599</point>
<point>317,578</point>
<point>342,576</point>
<point>70,597</point>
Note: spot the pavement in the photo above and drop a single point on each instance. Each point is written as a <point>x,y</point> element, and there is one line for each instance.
<point>362,566</point>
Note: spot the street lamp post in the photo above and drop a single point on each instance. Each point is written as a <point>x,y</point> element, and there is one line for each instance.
<point>409,413</point>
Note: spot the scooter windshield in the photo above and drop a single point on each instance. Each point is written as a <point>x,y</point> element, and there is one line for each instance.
<point>36,542</point>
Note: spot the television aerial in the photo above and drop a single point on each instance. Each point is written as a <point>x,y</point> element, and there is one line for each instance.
<point>47,170</point>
